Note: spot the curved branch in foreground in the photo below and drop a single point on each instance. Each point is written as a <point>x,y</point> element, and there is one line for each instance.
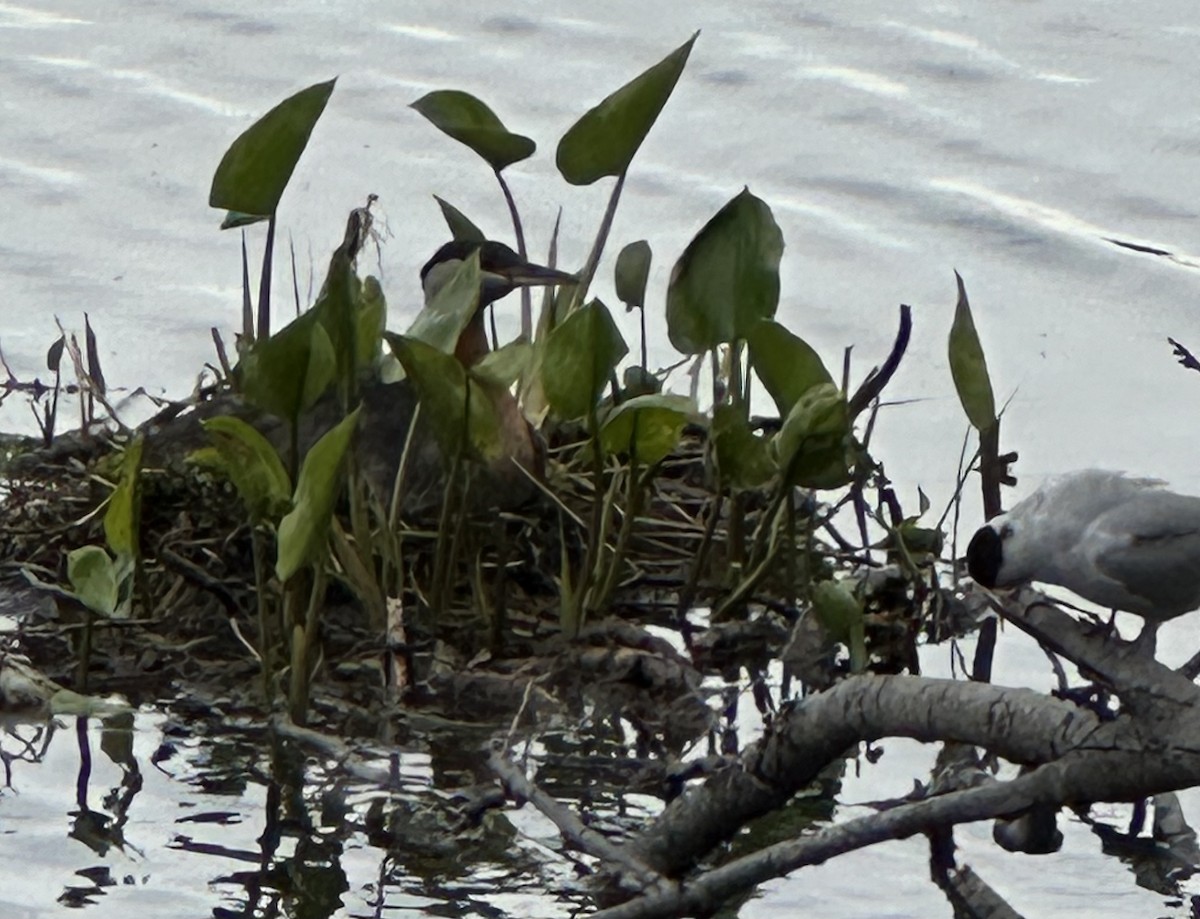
<point>1146,750</point>
<point>1021,725</point>
<point>1074,778</point>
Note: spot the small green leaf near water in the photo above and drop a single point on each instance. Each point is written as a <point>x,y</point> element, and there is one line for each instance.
<point>785,363</point>
<point>304,532</point>
<point>581,354</point>
<point>632,272</point>
<point>968,365</point>
<point>469,121</point>
<point>841,615</point>
<point>646,428</point>
<point>67,703</point>
<point>461,227</point>
<point>727,278</point>
<point>603,142</point>
<point>258,165</point>
<point>93,578</point>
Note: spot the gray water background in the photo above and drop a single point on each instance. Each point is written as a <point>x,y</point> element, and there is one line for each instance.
<point>895,144</point>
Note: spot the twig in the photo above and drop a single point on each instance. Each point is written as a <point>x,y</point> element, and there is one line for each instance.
<point>574,830</point>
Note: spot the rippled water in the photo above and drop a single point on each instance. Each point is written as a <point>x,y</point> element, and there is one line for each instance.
<point>1008,141</point>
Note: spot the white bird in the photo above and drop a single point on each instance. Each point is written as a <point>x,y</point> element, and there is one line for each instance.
<point>1124,543</point>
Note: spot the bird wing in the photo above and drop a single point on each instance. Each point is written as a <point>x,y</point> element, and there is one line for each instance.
<point>1151,546</point>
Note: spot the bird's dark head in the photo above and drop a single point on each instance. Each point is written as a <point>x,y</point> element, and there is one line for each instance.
<point>985,555</point>
<point>501,269</point>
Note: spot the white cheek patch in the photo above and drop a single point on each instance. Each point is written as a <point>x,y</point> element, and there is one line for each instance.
<point>439,276</point>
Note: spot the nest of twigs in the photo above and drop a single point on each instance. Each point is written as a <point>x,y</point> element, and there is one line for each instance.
<point>195,627</point>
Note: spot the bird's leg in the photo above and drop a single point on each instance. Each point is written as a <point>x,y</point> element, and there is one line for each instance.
<point>1111,628</point>
<point>1146,642</point>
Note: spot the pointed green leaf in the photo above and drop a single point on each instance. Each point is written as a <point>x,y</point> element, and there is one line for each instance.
<point>258,165</point>
<point>632,272</point>
<point>461,227</point>
<point>336,309</point>
<point>786,364</point>
<point>469,121</point>
<point>505,365</point>
<point>372,320</point>
<point>968,365</point>
<point>452,404</point>
<point>443,319</point>
<point>304,532</point>
<point>288,372</point>
<point>743,457</point>
<point>124,507</point>
<point>603,142</point>
<point>252,464</point>
<point>581,353</point>
<point>728,277</point>
<point>814,445</point>
<point>646,428</point>
<point>93,578</point>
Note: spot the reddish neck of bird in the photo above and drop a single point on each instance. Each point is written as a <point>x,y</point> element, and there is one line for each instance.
<point>473,342</point>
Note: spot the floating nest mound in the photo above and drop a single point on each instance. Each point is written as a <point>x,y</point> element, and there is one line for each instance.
<point>496,646</point>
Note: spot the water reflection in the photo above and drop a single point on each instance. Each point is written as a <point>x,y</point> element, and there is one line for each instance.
<point>275,829</point>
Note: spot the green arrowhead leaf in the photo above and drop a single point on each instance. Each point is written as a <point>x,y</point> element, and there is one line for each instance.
<point>288,372</point>
<point>603,142</point>
<point>814,443</point>
<point>337,310</point>
<point>968,366</point>
<point>124,507</point>
<point>727,278</point>
<point>252,464</point>
<point>581,353</point>
<point>371,319</point>
<point>632,272</point>
<point>459,223</point>
<point>504,366</point>
<point>453,405</point>
<point>258,165</point>
<point>469,121</point>
<point>443,319</point>
<point>93,577</point>
<point>304,532</point>
<point>646,428</point>
<point>786,364</point>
